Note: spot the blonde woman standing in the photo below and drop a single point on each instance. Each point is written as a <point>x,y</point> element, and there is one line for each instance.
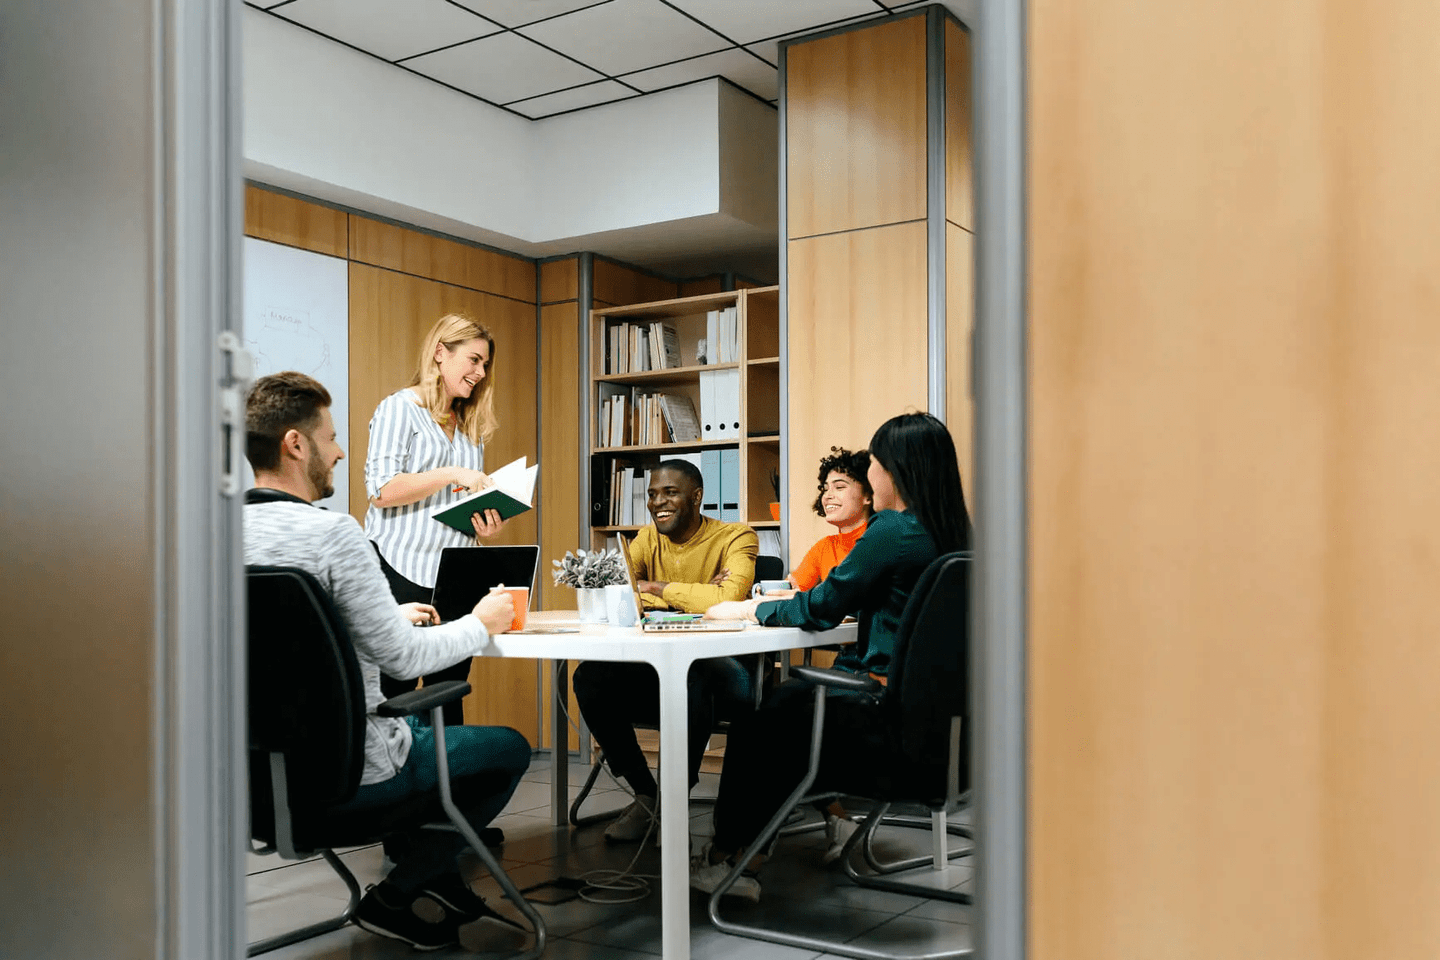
<point>427,450</point>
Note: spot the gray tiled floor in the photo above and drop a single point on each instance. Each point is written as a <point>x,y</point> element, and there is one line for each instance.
<point>799,894</point>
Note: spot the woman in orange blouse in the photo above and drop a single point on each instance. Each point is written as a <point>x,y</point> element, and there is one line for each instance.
<point>844,500</point>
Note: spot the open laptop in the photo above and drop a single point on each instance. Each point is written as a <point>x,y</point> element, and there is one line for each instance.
<point>468,573</point>
<point>665,621</point>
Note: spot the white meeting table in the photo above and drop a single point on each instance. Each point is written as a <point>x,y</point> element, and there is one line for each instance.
<point>671,654</point>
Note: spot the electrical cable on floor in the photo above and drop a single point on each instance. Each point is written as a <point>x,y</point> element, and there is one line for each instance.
<point>605,886</point>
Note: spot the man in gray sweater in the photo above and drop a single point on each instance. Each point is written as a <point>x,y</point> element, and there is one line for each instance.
<point>290,443</point>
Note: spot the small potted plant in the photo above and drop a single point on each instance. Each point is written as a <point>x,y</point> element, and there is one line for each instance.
<point>590,572</point>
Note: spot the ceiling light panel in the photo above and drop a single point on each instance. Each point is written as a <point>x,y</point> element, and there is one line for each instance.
<point>589,95</point>
<point>737,66</point>
<point>745,21</point>
<point>391,29</point>
<point>502,68</point>
<point>625,35</point>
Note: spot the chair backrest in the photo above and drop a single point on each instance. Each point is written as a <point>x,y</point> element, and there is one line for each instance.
<point>929,678</point>
<point>306,693</point>
<point>769,568</point>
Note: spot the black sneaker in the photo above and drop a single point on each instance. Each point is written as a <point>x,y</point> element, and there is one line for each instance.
<point>401,923</point>
<point>460,902</point>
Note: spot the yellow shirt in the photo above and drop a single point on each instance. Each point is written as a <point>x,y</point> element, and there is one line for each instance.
<point>687,567</point>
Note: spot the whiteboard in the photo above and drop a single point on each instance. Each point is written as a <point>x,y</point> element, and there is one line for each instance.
<point>297,317</point>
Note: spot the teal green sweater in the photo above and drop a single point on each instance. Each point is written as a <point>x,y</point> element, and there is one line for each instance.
<point>872,584</point>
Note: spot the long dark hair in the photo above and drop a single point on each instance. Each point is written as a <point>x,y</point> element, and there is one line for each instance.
<point>918,453</point>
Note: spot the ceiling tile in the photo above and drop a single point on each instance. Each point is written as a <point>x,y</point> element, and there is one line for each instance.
<point>502,68</point>
<point>589,95</point>
<point>513,13</point>
<point>737,66</point>
<point>392,29</point>
<point>626,35</point>
<point>747,20</point>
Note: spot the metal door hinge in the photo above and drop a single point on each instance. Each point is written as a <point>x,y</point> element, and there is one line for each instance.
<point>241,370</point>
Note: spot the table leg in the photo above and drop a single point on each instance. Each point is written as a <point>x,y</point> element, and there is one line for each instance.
<point>559,743</point>
<point>674,812</point>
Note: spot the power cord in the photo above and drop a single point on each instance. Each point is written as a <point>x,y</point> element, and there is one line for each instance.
<point>606,886</point>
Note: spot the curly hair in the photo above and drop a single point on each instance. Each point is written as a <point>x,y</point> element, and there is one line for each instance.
<point>854,465</point>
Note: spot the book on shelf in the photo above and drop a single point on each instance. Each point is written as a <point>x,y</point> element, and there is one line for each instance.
<point>641,346</point>
<point>512,494</point>
<point>680,418</point>
<point>722,335</point>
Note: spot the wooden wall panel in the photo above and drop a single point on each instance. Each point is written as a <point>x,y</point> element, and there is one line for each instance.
<point>959,325</point>
<point>450,261</point>
<point>857,309</point>
<point>700,286</point>
<point>618,286</point>
<point>389,312</point>
<point>559,280</point>
<point>959,162</point>
<point>1235,524</point>
<point>295,223</point>
<point>855,118</point>
<point>560,411</point>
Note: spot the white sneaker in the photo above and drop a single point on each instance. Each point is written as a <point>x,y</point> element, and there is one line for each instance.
<point>707,877</point>
<point>838,831</point>
<point>633,823</point>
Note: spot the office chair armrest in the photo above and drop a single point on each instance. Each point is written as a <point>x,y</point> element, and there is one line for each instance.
<point>837,679</point>
<point>428,696</point>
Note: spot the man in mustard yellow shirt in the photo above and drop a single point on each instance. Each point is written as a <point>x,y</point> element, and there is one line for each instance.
<point>675,561</point>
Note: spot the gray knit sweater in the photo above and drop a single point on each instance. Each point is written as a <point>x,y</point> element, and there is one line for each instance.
<point>332,548</point>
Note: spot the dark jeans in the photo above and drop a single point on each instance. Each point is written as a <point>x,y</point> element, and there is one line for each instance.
<point>768,752</point>
<point>408,591</point>
<point>615,696</point>
<point>486,764</point>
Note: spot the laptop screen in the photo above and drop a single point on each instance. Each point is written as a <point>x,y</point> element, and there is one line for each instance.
<point>639,611</point>
<point>468,573</point>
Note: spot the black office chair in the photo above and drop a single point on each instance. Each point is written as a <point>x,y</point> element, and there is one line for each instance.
<point>924,713</point>
<point>307,745</point>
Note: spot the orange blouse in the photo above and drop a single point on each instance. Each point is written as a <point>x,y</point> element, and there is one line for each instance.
<point>824,557</point>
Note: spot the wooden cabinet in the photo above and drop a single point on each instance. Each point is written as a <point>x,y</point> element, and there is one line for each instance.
<point>627,373</point>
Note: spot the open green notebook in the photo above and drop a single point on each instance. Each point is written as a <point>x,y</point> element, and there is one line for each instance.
<point>511,495</point>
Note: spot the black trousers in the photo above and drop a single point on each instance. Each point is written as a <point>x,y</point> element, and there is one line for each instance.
<point>615,696</point>
<point>408,591</point>
<point>768,752</point>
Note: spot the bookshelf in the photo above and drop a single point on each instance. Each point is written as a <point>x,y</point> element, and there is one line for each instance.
<point>623,373</point>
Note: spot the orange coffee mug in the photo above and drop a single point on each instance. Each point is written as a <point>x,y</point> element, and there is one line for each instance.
<point>521,596</point>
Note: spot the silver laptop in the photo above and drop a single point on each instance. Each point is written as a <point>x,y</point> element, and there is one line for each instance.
<point>666,621</point>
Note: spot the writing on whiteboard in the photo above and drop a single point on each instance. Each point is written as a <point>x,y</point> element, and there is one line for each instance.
<point>306,348</point>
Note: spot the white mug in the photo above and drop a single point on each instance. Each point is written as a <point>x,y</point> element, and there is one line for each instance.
<point>620,604</point>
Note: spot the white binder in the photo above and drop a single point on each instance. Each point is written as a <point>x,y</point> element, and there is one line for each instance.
<point>710,474</point>
<point>730,484</point>
<point>708,421</point>
<point>727,404</point>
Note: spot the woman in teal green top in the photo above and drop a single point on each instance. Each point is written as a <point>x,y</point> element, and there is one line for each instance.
<point>920,515</point>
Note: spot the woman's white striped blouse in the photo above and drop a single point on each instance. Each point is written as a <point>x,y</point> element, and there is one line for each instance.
<point>404,438</point>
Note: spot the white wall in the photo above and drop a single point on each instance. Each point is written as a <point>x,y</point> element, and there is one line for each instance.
<point>327,121</point>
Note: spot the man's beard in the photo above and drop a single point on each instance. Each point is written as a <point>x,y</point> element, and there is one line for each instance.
<point>320,478</point>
